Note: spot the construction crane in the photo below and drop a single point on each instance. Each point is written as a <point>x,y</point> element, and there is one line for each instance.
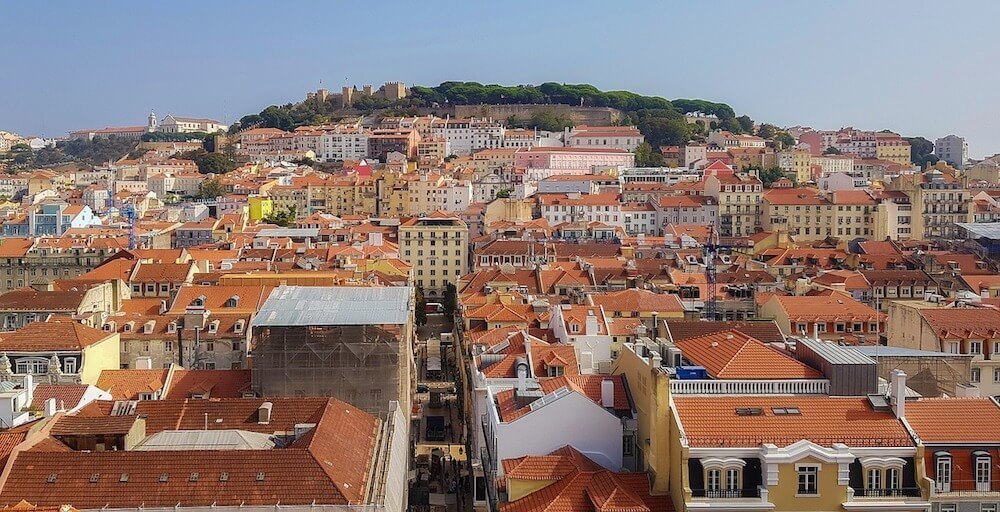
<point>712,247</point>
<point>127,211</point>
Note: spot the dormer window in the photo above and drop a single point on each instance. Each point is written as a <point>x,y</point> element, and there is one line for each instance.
<point>574,327</point>
<point>198,302</point>
<point>238,327</point>
<point>214,326</point>
<point>128,327</point>
<point>555,371</point>
<point>233,301</point>
<point>172,327</point>
<point>147,328</point>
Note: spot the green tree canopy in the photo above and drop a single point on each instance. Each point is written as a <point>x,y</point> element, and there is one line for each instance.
<point>212,188</point>
<point>831,151</point>
<point>922,152</point>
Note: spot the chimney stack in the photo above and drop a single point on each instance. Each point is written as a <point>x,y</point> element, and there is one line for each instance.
<point>897,393</point>
<point>608,393</point>
<point>264,413</point>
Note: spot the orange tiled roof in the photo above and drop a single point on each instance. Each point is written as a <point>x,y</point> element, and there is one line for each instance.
<point>963,323</point>
<point>581,485</point>
<point>712,421</point>
<point>825,307</point>
<point>129,384</point>
<point>933,419</point>
<point>734,355</point>
<point>52,335</point>
<point>214,383</point>
<point>637,300</point>
<point>327,465</point>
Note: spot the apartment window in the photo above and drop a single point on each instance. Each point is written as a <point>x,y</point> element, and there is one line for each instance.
<point>209,346</point>
<point>801,328</point>
<point>839,327</point>
<point>873,328</point>
<point>874,479</point>
<point>808,484</point>
<point>168,346</point>
<point>975,375</point>
<point>983,472</point>
<point>713,480</point>
<point>986,507</point>
<point>210,366</point>
<point>821,327</point>
<point>893,478</point>
<point>975,347</point>
<point>858,327</point>
<point>942,473</point>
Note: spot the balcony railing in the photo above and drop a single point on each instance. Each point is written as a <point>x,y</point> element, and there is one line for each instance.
<point>901,492</point>
<point>725,493</point>
<point>750,387</point>
<point>964,487</point>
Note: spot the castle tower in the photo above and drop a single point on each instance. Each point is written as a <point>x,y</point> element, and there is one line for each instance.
<point>347,97</point>
<point>151,122</point>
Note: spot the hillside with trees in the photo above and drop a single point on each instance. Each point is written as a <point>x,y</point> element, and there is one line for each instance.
<point>662,121</point>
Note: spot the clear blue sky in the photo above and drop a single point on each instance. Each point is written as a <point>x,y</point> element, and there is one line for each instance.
<point>920,68</point>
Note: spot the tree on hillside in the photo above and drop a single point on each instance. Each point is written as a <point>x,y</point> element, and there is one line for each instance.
<point>767,131</point>
<point>746,124</point>
<point>211,188</point>
<point>549,120</point>
<point>209,163</point>
<point>770,175</point>
<point>283,218</point>
<point>665,131</point>
<point>831,151</point>
<point>646,156</point>
<point>785,139</point>
<point>922,152</point>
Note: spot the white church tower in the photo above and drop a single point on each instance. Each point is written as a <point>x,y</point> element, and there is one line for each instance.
<point>151,122</point>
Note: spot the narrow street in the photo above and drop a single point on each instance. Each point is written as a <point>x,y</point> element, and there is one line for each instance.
<point>442,482</point>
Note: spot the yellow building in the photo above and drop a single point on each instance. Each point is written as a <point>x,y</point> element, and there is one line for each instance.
<point>650,389</point>
<point>792,453</point>
<point>893,148</point>
<point>60,349</point>
<point>506,210</point>
<point>738,197</point>
<point>809,215</point>
<point>796,164</point>
<point>260,207</point>
<point>437,247</point>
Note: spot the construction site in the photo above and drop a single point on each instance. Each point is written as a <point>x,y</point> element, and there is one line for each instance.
<point>350,343</point>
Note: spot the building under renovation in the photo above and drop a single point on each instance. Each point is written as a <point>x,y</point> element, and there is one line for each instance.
<point>350,343</point>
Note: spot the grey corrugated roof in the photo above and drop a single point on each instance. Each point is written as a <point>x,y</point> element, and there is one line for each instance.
<point>206,440</point>
<point>982,229</point>
<point>872,351</point>
<point>335,305</point>
<point>834,353</point>
<point>288,233</point>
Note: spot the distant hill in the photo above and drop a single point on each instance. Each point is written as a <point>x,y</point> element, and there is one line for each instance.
<point>661,121</point>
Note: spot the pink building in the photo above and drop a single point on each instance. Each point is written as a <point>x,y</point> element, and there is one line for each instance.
<point>573,159</point>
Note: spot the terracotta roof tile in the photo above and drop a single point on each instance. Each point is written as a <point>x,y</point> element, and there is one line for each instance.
<point>129,384</point>
<point>712,421</point>
<point>734,355</point>
<point>67,396</point>
<point>933,419</point>
<point>214,383</point>
<point>52,335</point>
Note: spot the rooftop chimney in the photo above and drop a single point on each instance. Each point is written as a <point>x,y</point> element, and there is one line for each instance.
<point>897,392</point>
<point>264,413</point>
<point>50,407</point>
<point>591,328</point>
<point>608,393</point>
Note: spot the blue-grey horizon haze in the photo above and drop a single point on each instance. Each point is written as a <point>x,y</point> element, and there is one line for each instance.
<point>919,68</point>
